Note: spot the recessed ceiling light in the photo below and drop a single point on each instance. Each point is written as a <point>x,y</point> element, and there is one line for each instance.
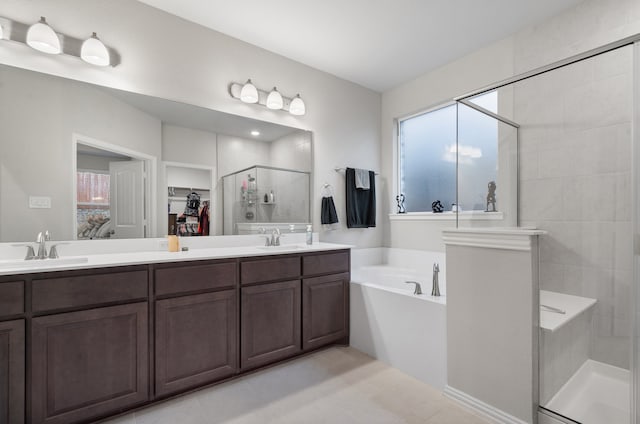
<point>255,133</point>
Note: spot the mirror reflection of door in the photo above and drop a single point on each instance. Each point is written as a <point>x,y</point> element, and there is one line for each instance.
<point>127,199</point>
<point>111,194</point>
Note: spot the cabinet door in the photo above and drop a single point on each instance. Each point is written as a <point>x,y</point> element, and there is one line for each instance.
<point>88,364</point>
<point>196,340</point>
<point>12,372</point>
<point>270,322</point>
<point>325,310</point>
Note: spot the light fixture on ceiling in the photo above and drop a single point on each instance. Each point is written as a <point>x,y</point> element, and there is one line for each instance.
<point>43,38</point>
<point>297,106</point>
<point>255,133</point>
<point>249,92</point>
<point>274,100</point>
<point>94,51</point>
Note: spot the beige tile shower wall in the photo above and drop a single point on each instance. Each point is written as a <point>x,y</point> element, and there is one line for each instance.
<point>575,158</point>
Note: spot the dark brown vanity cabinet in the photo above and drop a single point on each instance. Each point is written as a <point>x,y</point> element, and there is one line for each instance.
<point>88,364</point>
<point>12,369</point>
<point>196,334</point>
<point>78,346</point>
<point>89,353</point>
<point>325,299</point>
<point>270,322</point>
<point>325,310</point>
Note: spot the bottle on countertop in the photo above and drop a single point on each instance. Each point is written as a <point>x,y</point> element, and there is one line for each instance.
<point>272,197</point>
<point>173,242</point>
<point>266,198</point>
<point>309,235</point>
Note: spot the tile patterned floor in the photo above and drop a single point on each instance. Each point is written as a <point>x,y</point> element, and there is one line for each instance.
<point>337,386</point>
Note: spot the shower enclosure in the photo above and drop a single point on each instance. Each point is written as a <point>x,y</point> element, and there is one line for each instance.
<point>262,197</point>
<point>567,163</point>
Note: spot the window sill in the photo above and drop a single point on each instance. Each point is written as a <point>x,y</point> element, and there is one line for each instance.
<point>447,216</point>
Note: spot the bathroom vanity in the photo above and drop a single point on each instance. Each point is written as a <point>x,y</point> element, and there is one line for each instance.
<point>77,345</point>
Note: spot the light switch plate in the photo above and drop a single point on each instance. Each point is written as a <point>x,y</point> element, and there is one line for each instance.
<point>39,202</point>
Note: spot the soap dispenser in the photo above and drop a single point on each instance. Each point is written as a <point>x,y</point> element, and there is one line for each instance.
<point>309,235</point>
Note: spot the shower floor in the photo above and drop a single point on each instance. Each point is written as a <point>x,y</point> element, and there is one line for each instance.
<point>597,393</point>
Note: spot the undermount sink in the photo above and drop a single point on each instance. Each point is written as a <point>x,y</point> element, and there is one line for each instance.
<point>42,263</point>
<point>282,247</point>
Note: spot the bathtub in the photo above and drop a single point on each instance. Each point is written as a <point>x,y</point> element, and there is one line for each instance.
<point>392,324</point>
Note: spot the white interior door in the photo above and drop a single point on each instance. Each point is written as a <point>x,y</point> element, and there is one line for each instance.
<point>127,199</point>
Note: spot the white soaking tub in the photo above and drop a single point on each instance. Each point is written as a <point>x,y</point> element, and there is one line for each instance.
<point>392,324</point>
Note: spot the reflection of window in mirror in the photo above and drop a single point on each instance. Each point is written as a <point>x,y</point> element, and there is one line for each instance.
<point>93,211</point>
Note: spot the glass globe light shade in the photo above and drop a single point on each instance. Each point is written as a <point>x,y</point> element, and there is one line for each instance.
<point>43,38</point>
<point>93,51</point>
<point>249,93</point>
<point>274,100</point>
<point>297,106</point>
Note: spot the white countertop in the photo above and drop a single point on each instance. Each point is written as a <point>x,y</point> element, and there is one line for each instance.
<point>138,258</point>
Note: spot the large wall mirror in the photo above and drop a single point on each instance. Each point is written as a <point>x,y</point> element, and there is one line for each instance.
<point>90,162</point>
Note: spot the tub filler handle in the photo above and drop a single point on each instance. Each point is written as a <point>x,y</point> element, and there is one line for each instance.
<point>418,289</point>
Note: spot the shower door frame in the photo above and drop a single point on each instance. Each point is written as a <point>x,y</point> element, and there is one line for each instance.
<point>634,41</point>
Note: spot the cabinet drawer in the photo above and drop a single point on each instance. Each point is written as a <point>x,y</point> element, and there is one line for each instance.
<point>327,263</point>
<point>192,278</point>
<point>269,270</point>
<point>88,290</point>
<point>11,298</point>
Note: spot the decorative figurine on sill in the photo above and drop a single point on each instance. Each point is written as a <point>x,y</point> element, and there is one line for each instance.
<point>437,207</point>
<point>491,197</point>
<point>400,200</point>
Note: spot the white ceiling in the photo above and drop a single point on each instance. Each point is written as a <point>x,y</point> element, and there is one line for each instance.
<point>375,43</point>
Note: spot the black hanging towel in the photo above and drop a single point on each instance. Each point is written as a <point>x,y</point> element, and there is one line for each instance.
<point>328,213</point>
<point>361,203</point>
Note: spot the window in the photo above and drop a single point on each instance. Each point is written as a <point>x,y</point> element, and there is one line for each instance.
<point>427,151</point>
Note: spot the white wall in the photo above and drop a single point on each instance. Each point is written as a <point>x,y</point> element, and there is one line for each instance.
<point>590,24</point>
<point>292,151</point>
<point>188,145</point>
<point>168,57</point>
<point>37,146</point>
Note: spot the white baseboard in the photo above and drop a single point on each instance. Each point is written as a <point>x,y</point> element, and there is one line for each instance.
<point>484,409</point>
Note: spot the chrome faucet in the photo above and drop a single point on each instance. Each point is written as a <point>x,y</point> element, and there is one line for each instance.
<point>275,237</point>
<point>418,289</point>
<point>435,289</point>
<point>42,240</point>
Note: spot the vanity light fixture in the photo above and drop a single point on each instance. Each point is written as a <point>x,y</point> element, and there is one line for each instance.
<point>43,38</point>
<point>274,100</point>
<point>249,92</point>
<point>94,51</point>
<point>297,106</point>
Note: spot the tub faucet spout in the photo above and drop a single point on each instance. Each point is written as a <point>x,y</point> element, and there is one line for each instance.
<point>418,289</point>
<point>435,289</point>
